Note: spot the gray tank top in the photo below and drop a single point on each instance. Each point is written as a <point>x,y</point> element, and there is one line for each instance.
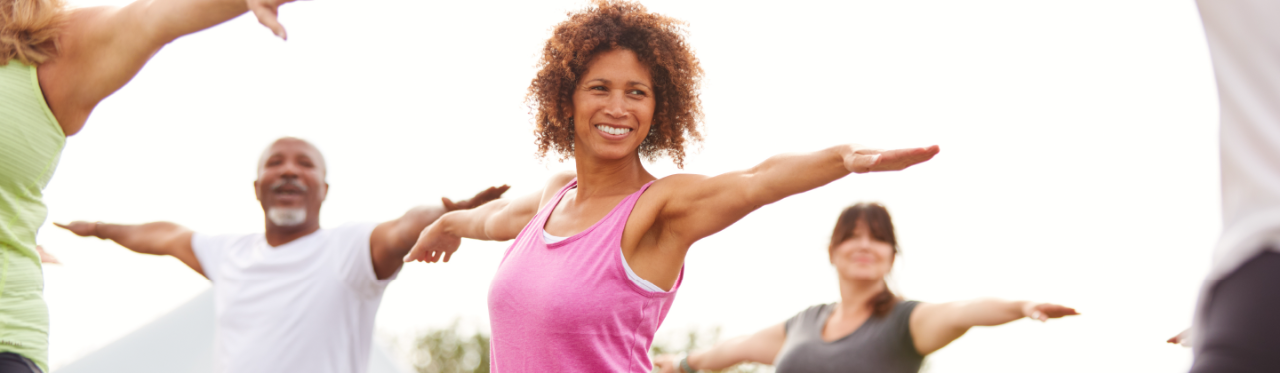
<point>882,344</point>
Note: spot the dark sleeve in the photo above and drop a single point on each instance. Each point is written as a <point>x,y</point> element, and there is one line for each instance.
<point>809,315</point>
<point>901,319</point>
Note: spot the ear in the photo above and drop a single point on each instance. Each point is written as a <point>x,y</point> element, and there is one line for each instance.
<point>324,193</point>
<point>256,193</point>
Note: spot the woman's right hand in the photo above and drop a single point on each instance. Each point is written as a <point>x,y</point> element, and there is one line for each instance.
<point>81,228</point>
<point>435,243</point>
<point>667,364</point>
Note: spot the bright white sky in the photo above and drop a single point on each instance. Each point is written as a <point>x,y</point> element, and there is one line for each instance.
<point>1079,159</point>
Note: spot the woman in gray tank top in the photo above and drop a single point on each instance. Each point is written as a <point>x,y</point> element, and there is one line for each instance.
<point>869,329</point>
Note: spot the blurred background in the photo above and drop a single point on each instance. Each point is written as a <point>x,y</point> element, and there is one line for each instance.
<point>1079,162</point>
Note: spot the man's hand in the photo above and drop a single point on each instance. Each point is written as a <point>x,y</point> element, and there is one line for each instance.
<point>481,198</point>
<point>81,228</point>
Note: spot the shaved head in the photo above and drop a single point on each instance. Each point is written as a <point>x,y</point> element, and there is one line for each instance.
<point>266,154</point>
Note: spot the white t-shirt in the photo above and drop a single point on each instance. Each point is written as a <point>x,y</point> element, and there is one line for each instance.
<point>305,306</point>
<point>1244,42</point>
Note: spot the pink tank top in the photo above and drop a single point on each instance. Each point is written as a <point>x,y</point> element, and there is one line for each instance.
<point>569,306</point>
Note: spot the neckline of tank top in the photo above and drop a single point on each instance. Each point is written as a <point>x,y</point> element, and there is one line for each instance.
<point>560,197</point>
<point>830,308</point>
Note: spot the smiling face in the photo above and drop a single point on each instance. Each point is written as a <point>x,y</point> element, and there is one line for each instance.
<point>612,107</point>
<point>290,184</point>
<point>862,256</point>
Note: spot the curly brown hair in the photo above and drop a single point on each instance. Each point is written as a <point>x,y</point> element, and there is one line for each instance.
<point>657,41</point>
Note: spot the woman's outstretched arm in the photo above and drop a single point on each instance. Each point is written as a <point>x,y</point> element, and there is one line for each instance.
<point>499,220</point>
<point>701,206</point>
<point>934,325</point>
<point>761,348</point>
<point>102,48</point>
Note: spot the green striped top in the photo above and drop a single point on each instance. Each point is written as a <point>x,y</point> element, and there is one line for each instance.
<point>30,143</point>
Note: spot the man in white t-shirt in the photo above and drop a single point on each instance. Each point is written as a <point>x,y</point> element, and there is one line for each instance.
<point>296,298</point>
<point>1236,321</point>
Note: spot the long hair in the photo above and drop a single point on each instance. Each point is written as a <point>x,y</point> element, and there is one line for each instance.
<point>29,30</point>
<point>881,226</point>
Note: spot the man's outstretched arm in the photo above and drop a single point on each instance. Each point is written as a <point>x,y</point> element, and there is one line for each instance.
<point>392,240</point>
<point>159,238</point>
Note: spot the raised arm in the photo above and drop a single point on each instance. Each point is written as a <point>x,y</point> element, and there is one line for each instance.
<point>391,240</point>
<point>499,220</point>
<point>159,238</point>
<point>701,206</point>
<point>934,325</point>
<point>760,347</point>
<point>102,48</point>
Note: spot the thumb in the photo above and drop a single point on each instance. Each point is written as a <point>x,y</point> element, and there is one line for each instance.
<point>449,204</point>
<point>860,163</point>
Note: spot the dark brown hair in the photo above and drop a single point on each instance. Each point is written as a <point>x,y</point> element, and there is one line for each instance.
<point>881,226</point>
<point>657,41</point>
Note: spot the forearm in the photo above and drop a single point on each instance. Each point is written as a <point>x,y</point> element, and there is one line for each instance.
<point>990,311</point>
<point>410,226</point>
<point>166,20</point>
<point>151,238</point>
<point>487,222</point>
<point>721,356</point>
<point>784,175</point>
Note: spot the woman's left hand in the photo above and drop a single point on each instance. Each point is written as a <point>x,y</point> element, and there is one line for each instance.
<point>861,160</point>
<point>1045,311</point>
<point>267,12</point>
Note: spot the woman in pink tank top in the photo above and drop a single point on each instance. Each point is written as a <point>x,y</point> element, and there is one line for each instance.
<point>617,84</point>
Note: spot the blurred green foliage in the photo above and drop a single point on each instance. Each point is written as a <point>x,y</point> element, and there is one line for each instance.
<point>452,350</point>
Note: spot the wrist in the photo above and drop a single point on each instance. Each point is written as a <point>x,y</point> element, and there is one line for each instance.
<point>685,367</point>
<point>447,224</point>
<point>1027,308</point>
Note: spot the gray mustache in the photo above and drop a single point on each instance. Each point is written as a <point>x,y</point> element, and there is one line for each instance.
<point>275,187</point>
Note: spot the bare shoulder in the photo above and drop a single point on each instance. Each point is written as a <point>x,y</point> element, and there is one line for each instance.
<point>557,181</point>
<point>923,311</point>
<point>672,187</point>
<point>80,25</point>
<point>675,183</point>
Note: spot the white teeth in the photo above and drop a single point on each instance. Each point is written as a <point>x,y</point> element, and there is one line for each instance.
<point>612,130</point>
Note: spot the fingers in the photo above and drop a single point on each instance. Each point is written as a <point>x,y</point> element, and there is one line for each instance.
<point>266,11</point>
<point>78,228</point>
<point>414,253</point>
<point>899,159</point>
<point>447,255</point>
<point>46,257</point>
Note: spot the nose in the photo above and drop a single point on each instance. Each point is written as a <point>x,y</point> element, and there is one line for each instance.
<point>616,107</point>
<point>289,170</point>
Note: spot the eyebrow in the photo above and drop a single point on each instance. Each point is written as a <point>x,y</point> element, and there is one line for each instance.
<point>607,81</point>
